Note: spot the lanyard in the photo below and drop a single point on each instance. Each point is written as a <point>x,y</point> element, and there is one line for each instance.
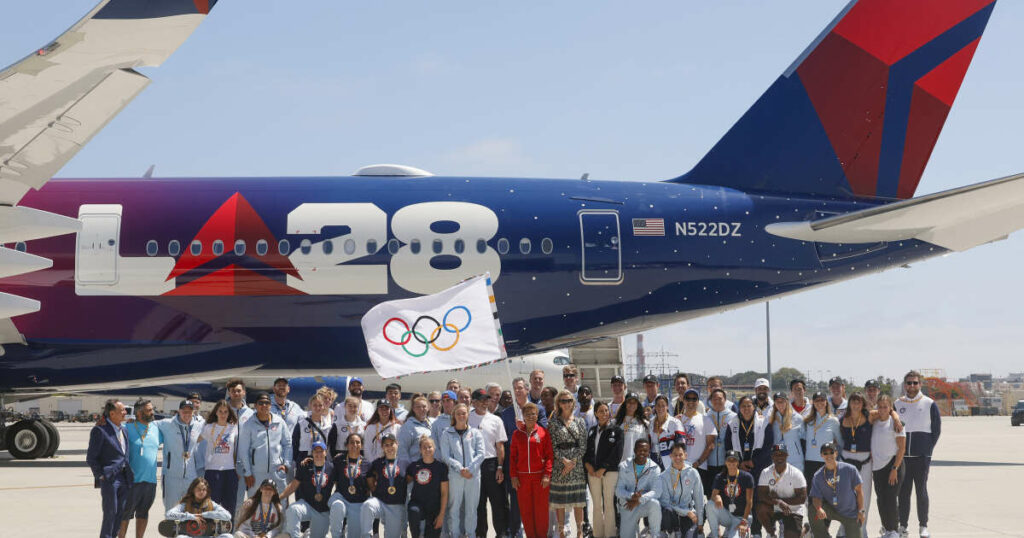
<point>264,515</point>
<point>319,478</point>
<point>834,483</point>
<point>818,424</point>
<point>732,486</point>
<point>186,436</point>
<point>353,472</point>
<point>679,483</point>
<point>283,410</point>
<point>853,429</point>
<point>392,467</point>
<point>637,477</point>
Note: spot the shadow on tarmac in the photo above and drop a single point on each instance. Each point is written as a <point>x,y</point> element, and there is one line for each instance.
<point>942,463</point>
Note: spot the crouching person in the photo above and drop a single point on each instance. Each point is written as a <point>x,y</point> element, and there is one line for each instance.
<point>350,476</point>
<point>682,496</point>
<point>386,481</point>
<point>261,515</point>
<point>197,506</point>
<point>637,491</point>
<point>314,481</point>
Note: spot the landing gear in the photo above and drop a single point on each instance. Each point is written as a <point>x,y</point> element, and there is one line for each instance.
<point>28,439</point>
<point>54,444</point>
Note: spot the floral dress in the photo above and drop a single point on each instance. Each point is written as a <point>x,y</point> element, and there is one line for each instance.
<point>569,441</point>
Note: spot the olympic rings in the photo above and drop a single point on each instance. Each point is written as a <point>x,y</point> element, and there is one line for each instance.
<point>412,333</point>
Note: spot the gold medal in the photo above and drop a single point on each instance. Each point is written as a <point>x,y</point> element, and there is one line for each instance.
<point>318,497</point>
<point>391,490</point>
<point>351,490</point>
<point>185,456</point>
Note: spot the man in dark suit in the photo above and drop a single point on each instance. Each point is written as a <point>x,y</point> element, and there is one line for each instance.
<point>108,458</point>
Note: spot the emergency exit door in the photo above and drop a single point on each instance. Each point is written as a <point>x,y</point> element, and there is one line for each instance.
<point>601,253</point>
<point>97,248</point>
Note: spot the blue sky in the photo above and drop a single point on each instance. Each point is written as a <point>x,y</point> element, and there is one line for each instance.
<point>634,91</point>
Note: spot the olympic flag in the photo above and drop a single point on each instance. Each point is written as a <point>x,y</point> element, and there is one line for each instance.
<point>454,329</point>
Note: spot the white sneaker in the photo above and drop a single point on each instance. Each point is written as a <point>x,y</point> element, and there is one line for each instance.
<point>924,532</point>
<point>903,532</point>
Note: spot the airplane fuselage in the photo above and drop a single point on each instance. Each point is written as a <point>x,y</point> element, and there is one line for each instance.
<point>170,276</point>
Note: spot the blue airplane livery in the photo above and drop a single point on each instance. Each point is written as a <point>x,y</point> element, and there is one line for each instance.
<point>111,283</point>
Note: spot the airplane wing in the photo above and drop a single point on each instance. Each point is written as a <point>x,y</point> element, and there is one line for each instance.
<point>956,219</point>
<point>58,97</point>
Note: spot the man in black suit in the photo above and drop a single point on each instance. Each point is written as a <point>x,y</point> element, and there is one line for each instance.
<point>108,458</point>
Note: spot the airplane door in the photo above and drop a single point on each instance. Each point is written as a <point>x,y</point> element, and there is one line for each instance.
<point>600,255</point>
<point>97,248</point>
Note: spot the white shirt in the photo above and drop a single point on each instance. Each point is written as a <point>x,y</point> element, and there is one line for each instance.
<point>766,412</point>
<point>588,418</point>
<point>785,485</point>
<point>883,443</point>
<point>695,431</point>
<point>220,446</point>
<point>308,433</point>
<point>614,407</point>
<point>372,448</point>
<point>678,400</point>
<point>493,429</point>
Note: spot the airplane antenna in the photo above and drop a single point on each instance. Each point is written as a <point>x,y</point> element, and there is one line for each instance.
<point>149,172</point>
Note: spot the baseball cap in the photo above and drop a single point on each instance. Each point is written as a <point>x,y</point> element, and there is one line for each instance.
<point>780,447</point>
<point>263,396</point>
<point>618,379</point>
<point>450,394</point>
<point>695,392</point>
<point>761,382</point>
<point>388,436</point>
<point>835,381</point>
<point>779,396</point>
<point>186,403</point>
<point>732,455</point>
<point>355,380</point>
<point>479,395</point>
<point>829,446</point>
<point>818,396</point>
<point>383,403</point>
<point>871,383</point>
<point>321,445</point>
<point>650,378</point>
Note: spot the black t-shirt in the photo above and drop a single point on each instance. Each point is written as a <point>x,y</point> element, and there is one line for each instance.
<point>309,476</point>
<point>426,483</point>
<point>349,473</point>
<point>388,474</point>
<point>734,490</point>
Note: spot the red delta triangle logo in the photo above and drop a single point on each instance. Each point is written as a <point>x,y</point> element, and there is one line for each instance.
<point>241,271</point>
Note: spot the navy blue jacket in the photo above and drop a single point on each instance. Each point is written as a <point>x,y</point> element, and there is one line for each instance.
<point>105,457</point>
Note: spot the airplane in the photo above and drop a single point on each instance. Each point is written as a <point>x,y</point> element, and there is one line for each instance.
<point>153,281</point>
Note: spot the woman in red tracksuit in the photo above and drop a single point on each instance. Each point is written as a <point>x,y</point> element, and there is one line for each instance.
<point>530,469</point>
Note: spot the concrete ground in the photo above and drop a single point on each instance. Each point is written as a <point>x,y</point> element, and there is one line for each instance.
<point>976,479</point>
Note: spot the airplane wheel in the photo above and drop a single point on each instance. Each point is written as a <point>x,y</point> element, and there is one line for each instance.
<point>27,439</point>
<point>54,444</point>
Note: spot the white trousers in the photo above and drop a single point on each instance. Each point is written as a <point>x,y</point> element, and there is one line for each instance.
<point>602,490</point>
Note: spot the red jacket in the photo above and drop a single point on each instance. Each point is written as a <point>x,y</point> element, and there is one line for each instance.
<point>530,454</point>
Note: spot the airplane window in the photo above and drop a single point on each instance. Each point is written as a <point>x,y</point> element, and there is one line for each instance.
<point>349,246</point>
<point>546,245</point>
<point>503,246</point>
<point>19,246</point>
<point>460,246</point>
<point>262,247</point>
<point>174,247</point>
<point>305,246</point>
<point>437,246</point>
<point>284,247</point>
<point>371,246</point>
<point>218,247</point>
<point>240,247</point>
<point>393,246</point>
<point>328,246</point>
<point>414,246</point>
<point>152,248</point>
<point>196,248</point>
<point>524,245</point>
<point>481,246</point>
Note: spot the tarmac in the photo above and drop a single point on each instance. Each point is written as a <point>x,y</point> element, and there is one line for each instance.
<point>976,479</point>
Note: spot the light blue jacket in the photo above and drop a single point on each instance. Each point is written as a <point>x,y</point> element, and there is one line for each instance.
<point>409,439</point>
<point>178,513</point>
<point>717,456</point>
<point>242,414</point>
<point>682,491</point>
<point>437,428</point>
<point>464,451</point>
<point>264,447</point>
<point>827,432</point>
<point>649,482</point>
<point>179,438</point>
<point>792,439</point>
<point>291,413</point>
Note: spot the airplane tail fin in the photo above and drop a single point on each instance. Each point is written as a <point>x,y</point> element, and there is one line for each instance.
<point>858,113</point>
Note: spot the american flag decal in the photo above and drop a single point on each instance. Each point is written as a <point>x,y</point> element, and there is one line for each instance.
<point>652,227</point>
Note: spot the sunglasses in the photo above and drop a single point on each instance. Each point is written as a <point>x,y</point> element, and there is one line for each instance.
<point>912,382</point>
<point>264,402</point>
<point>828,453</point>
<point>565,400</point>
<point>689,399</point>
<point>567,376</point>
<point>435,401</point>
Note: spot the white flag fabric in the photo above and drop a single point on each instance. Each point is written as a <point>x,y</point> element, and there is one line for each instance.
<point>454,329</point>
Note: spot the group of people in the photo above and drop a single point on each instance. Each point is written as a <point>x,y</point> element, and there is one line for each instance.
<point>768,465</point>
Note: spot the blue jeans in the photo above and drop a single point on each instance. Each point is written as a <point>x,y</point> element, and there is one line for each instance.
<point>630,525</point>
<point>300,511</point>
<point>341,510</point>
